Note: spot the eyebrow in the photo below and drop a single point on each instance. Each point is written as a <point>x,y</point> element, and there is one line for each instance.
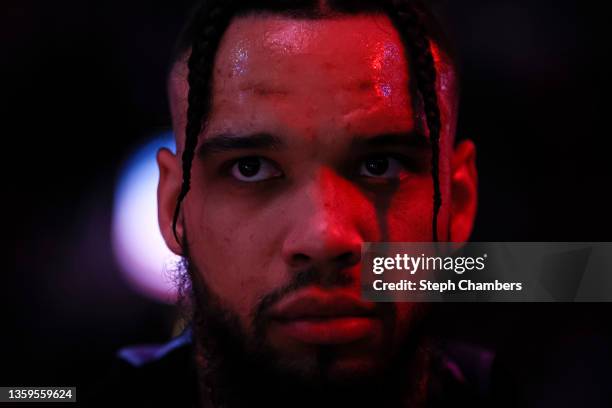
<point>402,139</point>
<point>227,142</point>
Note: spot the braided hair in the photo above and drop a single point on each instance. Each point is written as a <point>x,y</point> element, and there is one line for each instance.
<point>211,18</point>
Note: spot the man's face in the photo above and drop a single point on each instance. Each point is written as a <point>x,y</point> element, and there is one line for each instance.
<point>313,146</point>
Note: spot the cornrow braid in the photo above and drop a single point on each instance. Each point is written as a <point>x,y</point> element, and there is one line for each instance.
<point>416,41</point>
<point>212,18</point>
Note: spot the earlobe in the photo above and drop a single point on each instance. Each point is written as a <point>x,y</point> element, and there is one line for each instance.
<point>464,190</point>
<point>168,190</point>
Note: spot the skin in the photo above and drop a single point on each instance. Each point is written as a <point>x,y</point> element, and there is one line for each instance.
<point>316,86</point>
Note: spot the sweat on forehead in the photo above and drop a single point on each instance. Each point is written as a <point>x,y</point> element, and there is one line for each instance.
<point>274,55</point>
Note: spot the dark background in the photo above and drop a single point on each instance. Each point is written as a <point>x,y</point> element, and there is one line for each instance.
<point>84,83</point>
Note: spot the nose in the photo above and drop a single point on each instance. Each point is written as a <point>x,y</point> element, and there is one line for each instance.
<point>325,232</point>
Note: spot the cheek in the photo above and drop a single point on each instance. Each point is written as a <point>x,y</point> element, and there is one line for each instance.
<point>234,250</point>
<point>410,211</point>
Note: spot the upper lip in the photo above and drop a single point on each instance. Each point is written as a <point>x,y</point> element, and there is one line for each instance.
<point>315,303</point>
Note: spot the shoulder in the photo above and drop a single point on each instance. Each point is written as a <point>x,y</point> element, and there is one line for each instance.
<point>153,375</point>
<point>147,355</point>
<point>461,375</point>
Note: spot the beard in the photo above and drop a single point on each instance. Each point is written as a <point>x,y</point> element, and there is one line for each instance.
<point>236,369</point>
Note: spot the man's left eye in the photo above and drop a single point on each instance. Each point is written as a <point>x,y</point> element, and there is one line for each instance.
<point>385,167</point>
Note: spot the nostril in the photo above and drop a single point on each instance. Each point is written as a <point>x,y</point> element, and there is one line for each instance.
<point>347,259</point>
<point>299,259</point>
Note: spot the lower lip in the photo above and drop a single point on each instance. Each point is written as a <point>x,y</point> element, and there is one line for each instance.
<point>329,331</point>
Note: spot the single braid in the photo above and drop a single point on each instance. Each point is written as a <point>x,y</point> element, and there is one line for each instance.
<point>416,41</point>
<point>212,20</point>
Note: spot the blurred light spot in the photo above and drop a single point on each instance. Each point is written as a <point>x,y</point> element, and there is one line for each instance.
<point>384,90</point>
<point>139,248</point>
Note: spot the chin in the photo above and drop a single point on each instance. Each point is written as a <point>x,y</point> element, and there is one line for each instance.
<point>354,370</point>
<point>327,365</point>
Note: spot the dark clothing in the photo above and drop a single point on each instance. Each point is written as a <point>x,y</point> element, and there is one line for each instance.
<point>151,376</point>
<point>165,375</point>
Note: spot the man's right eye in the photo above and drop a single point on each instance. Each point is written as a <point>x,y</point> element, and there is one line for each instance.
<point>253,169</point>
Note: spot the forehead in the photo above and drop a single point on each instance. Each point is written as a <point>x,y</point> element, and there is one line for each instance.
<point>274,43</point>
<point>336,71</point>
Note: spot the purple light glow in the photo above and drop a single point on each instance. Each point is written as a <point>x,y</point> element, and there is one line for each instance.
<point>139,248</point>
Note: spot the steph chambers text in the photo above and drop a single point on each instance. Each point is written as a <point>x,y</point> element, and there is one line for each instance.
<point>464,285</point>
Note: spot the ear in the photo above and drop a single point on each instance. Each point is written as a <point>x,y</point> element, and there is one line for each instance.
<point>168,190</point>
<point>464,191</point>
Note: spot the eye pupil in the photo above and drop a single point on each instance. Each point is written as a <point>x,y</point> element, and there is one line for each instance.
<point>377,166</point>
<point>249,167</point>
